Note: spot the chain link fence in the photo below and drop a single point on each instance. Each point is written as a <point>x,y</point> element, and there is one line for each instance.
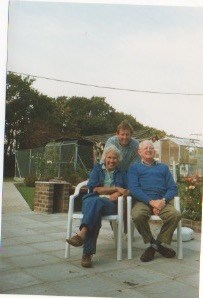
<point>58,159</point>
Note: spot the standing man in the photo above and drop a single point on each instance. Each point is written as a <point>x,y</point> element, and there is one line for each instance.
<point>152,185</point>
<point>127,145</point>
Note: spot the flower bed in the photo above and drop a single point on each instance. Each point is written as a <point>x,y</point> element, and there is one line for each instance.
<point>190,192</point>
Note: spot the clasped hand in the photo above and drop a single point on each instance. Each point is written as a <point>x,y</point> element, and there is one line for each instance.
<point>120,191</point>
<point>157,206</point>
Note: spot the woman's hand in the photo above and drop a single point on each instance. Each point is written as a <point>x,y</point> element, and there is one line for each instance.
<point>123,191</point>
<point>114,196</point>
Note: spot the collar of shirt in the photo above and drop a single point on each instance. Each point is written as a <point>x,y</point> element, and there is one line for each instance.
<point>108,177</point>
<point>104,168</point>
<point>152,164</point>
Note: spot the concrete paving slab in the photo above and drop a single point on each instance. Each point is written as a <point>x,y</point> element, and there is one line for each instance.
<point>190,279</point>
<point>32,261</point>
<point>49,245</point>
<point>136,276</point>
<point>34,238</point>
<point>88,285</point>
<point>5,264</point>
<point>128,293</point>
<point>40,259</point>
<point>170,288</point>
<point>16,279</point>
<point>38,289</point>
<point>11,204</point>
<point>55,272</point>
<point>172,268</point>
<point>20,250</point>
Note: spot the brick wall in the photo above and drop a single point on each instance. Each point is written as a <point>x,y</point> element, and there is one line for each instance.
<point>51,197</point>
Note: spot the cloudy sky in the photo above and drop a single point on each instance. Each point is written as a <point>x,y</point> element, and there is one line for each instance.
<point>141,48</point>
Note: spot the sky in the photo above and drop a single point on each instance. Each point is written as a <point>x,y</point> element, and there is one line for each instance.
<point>138,47</point>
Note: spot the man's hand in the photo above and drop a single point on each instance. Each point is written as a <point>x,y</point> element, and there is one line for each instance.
<point>156,211</point>
<point>157,204</point>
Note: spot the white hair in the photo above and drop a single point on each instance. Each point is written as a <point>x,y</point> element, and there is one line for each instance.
<point>114,149</point>
<point>141,145</point>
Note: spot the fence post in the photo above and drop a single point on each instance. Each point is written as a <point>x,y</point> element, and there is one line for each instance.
<point>30,160</point>
<point>174,171</point>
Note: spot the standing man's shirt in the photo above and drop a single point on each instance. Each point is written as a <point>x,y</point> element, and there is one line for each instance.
<point>129,153</point>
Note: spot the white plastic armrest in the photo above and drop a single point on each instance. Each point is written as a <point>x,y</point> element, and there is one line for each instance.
<point>177,203</point>
<point>79,186</point>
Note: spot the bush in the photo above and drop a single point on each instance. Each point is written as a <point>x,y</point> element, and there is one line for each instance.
<point>30,181</point>
<point>191,197</point>
<point>75,177</point>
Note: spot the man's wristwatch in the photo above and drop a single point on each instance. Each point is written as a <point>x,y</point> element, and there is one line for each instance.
<point>164,200</point>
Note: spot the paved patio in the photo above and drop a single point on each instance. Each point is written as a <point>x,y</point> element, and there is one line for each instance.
<point>32,260</point>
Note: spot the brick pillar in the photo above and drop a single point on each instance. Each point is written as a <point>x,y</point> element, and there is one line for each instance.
<point>51,196</point>
<point>43,197</point>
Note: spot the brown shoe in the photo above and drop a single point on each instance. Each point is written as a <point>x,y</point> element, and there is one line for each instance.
<point>148,254</point>
<point>86,261</point>
<point>75,241</point>
<point>166,252</point>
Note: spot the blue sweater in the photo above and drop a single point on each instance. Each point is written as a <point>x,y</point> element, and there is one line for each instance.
<point>151,182</point>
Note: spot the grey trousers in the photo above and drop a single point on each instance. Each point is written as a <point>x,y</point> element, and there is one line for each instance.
<point>170,217</point>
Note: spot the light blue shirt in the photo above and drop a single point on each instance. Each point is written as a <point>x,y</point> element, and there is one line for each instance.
<point>109,178</point>
<point>129,153</point>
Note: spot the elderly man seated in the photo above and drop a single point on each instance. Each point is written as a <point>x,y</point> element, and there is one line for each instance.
<point>153,189</point>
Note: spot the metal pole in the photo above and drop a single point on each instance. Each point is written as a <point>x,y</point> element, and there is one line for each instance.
<point>59,168</point>
<point>174,171</point>
<point>76,157</point>
<point>30,161</point>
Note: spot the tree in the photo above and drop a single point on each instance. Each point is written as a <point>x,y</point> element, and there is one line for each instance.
<point>91,116</point>
<point>34,119</point>
<point>29,115</point>
<point>67,123</point>
<point>18,108</point>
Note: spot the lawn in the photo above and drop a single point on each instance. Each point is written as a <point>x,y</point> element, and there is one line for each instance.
<point>27,192</point>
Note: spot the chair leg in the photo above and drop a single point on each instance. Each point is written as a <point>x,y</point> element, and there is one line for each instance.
<point>120,229</point>
<point>129,227</point>
<point>68,235</point>
<point>115,231</point>
<point>179,241</point>
<point>179,231</point>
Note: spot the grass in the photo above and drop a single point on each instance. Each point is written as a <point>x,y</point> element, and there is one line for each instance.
<point>27,192</point>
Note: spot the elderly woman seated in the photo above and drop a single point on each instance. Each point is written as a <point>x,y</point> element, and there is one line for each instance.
<point>106,184</point>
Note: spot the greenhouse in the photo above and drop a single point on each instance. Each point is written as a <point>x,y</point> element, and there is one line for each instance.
<point>187,153</point>
<point>58,159</point>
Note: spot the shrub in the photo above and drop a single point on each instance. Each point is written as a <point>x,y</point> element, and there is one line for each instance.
<point>191,197</point>
<point>30,181</point>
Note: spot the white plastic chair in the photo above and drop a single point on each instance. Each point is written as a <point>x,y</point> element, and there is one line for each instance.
<point>117,221</point>
<point>130,227</point>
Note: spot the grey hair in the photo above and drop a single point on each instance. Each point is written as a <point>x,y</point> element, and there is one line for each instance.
<point>141,144</point>
<point>113,149</point>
